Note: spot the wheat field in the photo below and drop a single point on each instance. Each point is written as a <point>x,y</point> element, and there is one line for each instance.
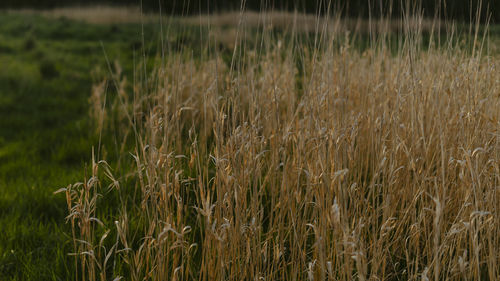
<point>297,159</point>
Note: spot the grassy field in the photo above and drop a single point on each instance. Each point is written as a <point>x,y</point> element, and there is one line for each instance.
<point>45,132</point>
<point>240,153</point>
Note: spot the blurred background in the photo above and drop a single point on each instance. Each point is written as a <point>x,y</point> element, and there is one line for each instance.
<point>456,9</point>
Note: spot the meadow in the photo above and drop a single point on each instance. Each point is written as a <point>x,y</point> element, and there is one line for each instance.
<point>242,148</point>
<point>46,137</point>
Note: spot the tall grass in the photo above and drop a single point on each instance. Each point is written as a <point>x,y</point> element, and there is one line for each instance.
<point>298,159</point>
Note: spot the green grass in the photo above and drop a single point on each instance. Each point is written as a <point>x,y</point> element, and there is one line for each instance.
<point>45,132</point>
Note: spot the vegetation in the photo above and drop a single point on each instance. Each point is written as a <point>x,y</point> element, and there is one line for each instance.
<point>297,158</point>
<point>248,151</point>
<point>45,133</point>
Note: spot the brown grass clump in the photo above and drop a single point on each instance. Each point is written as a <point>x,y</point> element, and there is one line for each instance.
<point>301,161</point>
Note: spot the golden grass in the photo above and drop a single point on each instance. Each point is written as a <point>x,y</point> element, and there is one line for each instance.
<point>300,163</point>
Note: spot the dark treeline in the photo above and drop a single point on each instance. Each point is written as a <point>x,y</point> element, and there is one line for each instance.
<point>463,10</point>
